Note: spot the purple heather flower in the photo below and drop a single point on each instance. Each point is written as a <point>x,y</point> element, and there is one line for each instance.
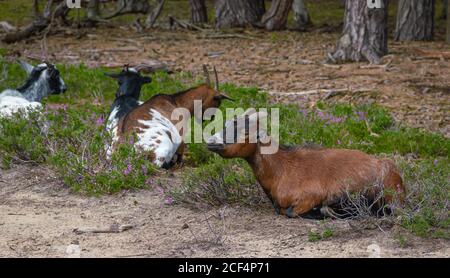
<point>100,120</point>
<point>168,200</point>
<point>362,116</point>
<point>128,170</point>
<point>435,162</point>
<point>338,142</point>
<point>144,170</point>
<point>336,120</point>
<point>160,190</point>
<point>131,141</point>
<point>149,181</point>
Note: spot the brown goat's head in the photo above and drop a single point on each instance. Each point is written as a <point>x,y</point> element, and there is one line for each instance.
<point>239,137</point>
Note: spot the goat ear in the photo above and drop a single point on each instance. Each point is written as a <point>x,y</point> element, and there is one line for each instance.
<point>27,67</point>
<point>146,80</point>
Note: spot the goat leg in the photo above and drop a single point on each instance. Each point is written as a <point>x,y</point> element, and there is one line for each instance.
<point>277,207</point>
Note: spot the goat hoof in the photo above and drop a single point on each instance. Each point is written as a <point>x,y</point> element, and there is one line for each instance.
<point>277,208</point>
<point>289,212</point>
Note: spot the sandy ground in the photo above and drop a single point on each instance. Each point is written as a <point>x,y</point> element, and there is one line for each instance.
<point>39,217</point>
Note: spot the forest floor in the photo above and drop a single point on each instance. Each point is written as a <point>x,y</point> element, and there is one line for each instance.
<point>38,214</point>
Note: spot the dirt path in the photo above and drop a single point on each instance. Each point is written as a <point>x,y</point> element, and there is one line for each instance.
<point>415,88</point>
<point>38,216</point>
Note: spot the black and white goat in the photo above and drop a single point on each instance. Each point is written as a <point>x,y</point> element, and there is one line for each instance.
<point>127,98</point>
<point>43,80</point>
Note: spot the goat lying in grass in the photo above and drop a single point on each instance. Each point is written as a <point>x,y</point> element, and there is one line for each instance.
<point>127,98</point>
<point>303,181</point>
<point>43,80</point>
<point>156,133</point>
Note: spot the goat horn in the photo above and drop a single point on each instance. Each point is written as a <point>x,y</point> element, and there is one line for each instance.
<point>217,79</point>
<point>224,96</point>
<point>206,73</point>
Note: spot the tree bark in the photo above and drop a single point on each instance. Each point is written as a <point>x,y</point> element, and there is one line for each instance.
<point>130,7</point>
<point>444,9</point>
<point>365,33</point>
<point>237,13</point>
<point>448,25</point>
<point>415,20</point>
<point>199,13</point>
<point>301,15</point>
<point>276,17</point>
<point>93,10</point>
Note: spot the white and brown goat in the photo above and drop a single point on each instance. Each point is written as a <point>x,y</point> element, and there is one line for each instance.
<point>301,181</point>
<point>156,132</point>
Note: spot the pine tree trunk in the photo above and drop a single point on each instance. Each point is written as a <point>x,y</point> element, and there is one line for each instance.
<point>444,9</point>
<point>276,17</point>
<point>237,13</point>
<point>415,20</point>
<point>93,10</point>
<point>448,25</point>
<point>301,15</point>
<point>198,11</point>
<point>365,33</point>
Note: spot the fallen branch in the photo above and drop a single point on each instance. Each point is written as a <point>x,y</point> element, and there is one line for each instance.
<point>225,36</point>
<point>332,66</point>
<point>329,92</point>
<point>214,54</point>
<point>8,28</point>
<point>184,24</point>
<point>385,67</point>
<point>39,24</point>
<point>112,229</point>
<point>123,49</point>
<point>147,66</point>
<point>433,54</point>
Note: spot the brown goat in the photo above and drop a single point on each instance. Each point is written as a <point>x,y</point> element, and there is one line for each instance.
<point>300,179</point>
<point>152,122</point>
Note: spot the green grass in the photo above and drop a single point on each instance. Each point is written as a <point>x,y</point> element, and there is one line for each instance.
<point>314,236</point>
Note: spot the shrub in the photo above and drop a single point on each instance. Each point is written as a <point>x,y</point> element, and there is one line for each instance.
<point>217,183</point>
<point>426,212</point>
